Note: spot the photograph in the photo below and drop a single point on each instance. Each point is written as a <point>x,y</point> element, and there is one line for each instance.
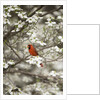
<point>33,49</point>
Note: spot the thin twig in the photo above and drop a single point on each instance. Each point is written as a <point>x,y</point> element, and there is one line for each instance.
<point>12,50</point>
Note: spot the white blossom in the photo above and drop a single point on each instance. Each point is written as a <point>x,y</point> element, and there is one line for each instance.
<point>30,61</point>
<point>28,33</point>
<point>13,31</point>
<point>57,49</point>
<point>60,38</point>
<point>5,65</point>
<point>32,19</point>
<point>39,12</point>
<point>34,39</point>
<point>50,23</point>
<point>52,73</point>
<point>49,19</point>
<point>12,8</point>
<point>33,35</point>
<point>6,14</point>
<point>57,27</point>
<point>53,23</point>
<point>17,29</point>
<point>41,43</point>
<point>59,17</point>
<point>36,18</point>
<point>11,62</point>
<point>61,76</point>
<point>22,14</point>
<point>6,21</point>
<point>18,25</point>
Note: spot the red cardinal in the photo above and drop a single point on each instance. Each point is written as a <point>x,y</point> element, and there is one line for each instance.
<point>33,52</point>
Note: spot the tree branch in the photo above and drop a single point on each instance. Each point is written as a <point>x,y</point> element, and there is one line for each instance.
<point>36,11</point>
<point>12,50</point>
<point>52,11</point>
<point>43,78</point>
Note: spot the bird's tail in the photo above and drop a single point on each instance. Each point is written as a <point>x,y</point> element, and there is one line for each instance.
<point>41,64</point>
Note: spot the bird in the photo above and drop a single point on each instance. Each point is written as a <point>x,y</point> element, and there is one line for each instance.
<point>33,52</point>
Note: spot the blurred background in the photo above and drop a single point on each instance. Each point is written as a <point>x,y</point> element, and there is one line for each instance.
<point>42,27</point>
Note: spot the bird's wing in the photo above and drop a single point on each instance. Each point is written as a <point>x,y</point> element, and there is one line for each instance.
<point>35,51</point>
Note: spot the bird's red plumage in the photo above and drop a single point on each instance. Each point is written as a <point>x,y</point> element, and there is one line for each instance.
<point>33,52</point>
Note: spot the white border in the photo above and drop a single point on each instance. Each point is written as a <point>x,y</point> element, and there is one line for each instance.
<point>34,97</point>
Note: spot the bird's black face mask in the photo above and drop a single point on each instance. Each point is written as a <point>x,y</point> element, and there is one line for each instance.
<point>29,47</point>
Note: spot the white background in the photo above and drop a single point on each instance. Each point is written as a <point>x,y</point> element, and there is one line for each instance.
<point>83,97</point>
<point>82,12</point>
<point>83,59</point>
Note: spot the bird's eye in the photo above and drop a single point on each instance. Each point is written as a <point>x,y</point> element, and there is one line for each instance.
<point>29,47</point>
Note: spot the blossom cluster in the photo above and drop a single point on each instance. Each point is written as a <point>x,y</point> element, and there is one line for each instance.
<point>50,22</point>
<point>6,64</point>
<point>55,74</point>
<point>12,8</point>
<point>33,38</point>
<point>18,26</point>
<point>35,60</point>
<point>32,19</point>
<point>22,14</point>
<point>56,48</point>
<point>7,11</point>
<point>43,88</point>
